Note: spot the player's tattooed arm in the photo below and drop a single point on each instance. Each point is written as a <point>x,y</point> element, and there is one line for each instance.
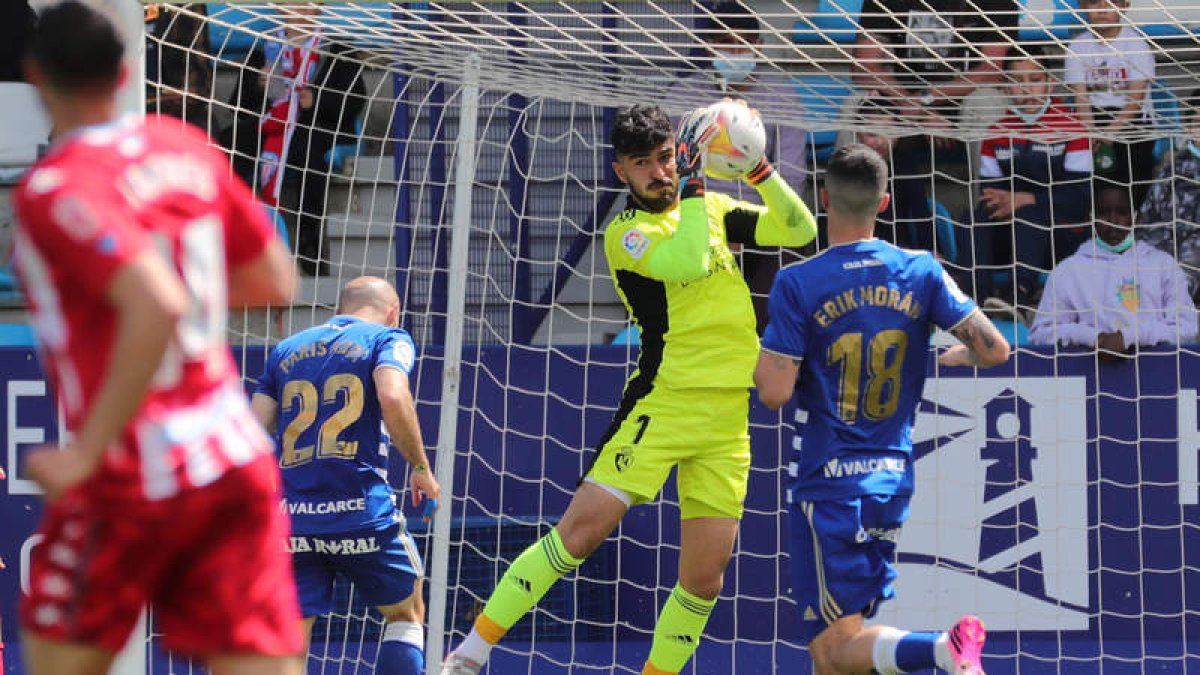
<point>775,378</point>
<point>982,344</point>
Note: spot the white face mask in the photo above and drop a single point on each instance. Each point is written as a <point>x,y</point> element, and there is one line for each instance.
<point>734,68</point>
<point>1119,248</point>
<point>1031,118</point>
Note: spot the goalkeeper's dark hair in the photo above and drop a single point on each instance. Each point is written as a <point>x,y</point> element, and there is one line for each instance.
<point>855,178</point>
<point>639,129</point>
<point>76,47</point>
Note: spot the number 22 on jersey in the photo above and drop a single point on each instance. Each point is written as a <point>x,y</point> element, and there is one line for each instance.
<point>342,390</point>
<point>883,360</point>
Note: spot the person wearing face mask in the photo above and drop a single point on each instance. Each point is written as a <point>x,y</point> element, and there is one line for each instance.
<point>732,53</point>
<point>1115,293</point>
<point>1035,175</point>
<point>731,68</point>
<point>1169,218</point>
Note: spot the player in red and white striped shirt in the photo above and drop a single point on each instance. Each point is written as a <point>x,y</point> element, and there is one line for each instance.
<point>133,238</point>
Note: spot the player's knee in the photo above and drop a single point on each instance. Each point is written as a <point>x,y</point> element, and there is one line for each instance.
<point>581,545</point>
<point>703,577</point>
<point>701,584</point>
<point>409,611</point>
<point>581,538</point>
<point>402,613</point>
<point>822,654</point>
<point>826,651</point>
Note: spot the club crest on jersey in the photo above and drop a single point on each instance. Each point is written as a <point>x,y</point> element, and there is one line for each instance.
<point>623,459</point>
<point>635,243</point>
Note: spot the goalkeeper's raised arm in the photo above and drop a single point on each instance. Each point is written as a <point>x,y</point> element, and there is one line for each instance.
<point>783,220</point>
<point>686,254</point>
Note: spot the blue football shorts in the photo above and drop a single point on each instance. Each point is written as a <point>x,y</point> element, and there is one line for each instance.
<point>383,564</point>
<point>843,557</point>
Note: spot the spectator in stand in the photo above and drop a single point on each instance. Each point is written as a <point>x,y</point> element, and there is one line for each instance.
<point>178,73</point>
<point>242,137</point>
<point>1035,172</point>
<point>1115,293</point>
<point>1169,218</point>
<point>291,60</point>
<point>329,108</point>
<point>732,39</point>
<point>1109,67</point>
<point>732,42</point>
<point>908,220</point>
<point>925,57</point>
<point>17,21</point>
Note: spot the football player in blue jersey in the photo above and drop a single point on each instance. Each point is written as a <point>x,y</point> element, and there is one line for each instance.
<point>335,397</point>
<point>854,324</point>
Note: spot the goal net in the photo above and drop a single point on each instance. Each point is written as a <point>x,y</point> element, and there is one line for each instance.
<point>460,150</point>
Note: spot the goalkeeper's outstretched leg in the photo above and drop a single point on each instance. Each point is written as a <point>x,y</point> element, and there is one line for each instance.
<point>706,546</point>
<point>592,515</point>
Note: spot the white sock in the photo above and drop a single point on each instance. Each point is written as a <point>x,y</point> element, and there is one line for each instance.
<point>474,648</point>
<point>406,631</point>
<point>941,652</point>
<point>883,651</point>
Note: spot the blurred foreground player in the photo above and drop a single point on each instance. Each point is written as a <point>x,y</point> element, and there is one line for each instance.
<point>336,398</point>
<point>854,324</point>
<point>132,240</point>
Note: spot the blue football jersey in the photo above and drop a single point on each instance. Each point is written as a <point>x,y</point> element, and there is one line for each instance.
<point>330,438</point>
<point>860,315</point>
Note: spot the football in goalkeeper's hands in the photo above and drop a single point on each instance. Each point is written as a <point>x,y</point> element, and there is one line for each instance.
<point>739,146</point>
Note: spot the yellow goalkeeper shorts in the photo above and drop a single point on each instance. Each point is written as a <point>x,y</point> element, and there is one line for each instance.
<point>703,431</point>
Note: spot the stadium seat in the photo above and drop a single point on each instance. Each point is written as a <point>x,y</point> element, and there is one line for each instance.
<point>823,96</point>
<point>629,336</point>
<point>1169,120</point>
<point>1016,332</point>
<point>1043,20</point>
<point>833,21</point>
<point>226,41</point>
<point>24,128</point>
<point>16,335</point>
<point>335,157</point>
<point>1174,20</point>
<point>944,227</point>
<point>280,225</point>
<point>234,32</point>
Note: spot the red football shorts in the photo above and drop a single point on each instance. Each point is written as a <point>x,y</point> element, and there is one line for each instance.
<point>211,562</point>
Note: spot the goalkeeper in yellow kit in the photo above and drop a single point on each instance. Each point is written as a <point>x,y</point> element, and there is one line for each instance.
<point>687,404</point>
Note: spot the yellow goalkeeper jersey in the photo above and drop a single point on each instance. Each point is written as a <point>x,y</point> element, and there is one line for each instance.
<point>700,333</point>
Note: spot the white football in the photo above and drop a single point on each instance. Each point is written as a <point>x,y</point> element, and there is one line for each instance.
<point>739,146</point>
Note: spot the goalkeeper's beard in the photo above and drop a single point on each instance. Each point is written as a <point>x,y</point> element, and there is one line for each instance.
<point>659,196</point>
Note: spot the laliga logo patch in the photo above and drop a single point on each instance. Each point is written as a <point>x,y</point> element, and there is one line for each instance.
<point>402,351</point>
<point>635,243</point>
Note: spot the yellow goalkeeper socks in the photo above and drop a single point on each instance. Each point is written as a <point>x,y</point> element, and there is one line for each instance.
<point>525,582</point>
<point>677,633</point>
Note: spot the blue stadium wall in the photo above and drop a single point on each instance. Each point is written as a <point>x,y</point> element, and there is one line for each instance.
<point>1088,546</point>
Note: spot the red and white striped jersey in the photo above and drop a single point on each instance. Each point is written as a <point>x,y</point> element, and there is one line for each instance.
<point>101,197</point>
